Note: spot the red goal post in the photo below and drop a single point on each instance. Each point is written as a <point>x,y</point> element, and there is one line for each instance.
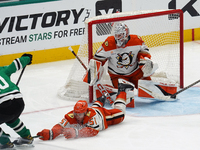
<point>161,30</point>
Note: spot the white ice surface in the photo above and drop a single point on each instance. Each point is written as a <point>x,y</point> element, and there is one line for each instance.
<point>44,109</point>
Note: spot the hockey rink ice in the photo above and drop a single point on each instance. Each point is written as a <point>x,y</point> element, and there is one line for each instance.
<point>151,125</point>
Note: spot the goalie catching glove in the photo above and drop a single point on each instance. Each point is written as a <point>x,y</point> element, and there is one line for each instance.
<point>148,67</point>
<point>94,73</point>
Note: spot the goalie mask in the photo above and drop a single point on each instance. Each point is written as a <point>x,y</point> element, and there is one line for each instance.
<point>121,33</point>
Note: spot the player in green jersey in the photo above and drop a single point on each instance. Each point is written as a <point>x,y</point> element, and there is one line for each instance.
<point>12,104</point>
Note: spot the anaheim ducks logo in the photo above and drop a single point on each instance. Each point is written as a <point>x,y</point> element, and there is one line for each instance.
<point>125,60</point>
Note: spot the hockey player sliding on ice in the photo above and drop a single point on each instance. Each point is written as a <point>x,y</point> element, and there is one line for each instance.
<point>128,58</point>
<point>87,122</point>
<point>12,104</point>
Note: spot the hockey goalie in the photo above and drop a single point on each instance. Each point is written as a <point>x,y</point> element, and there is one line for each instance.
<point>128,58</point>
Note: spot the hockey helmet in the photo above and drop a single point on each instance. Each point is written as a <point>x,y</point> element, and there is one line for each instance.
<point>121,33</point>
<point>80,107</point>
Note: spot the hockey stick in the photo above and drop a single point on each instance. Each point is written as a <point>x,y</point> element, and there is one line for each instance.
<point>187,87</point>
<point>70,48</point>
<point>20,75</point>
<point>36,136</point>
<point>99,85</point>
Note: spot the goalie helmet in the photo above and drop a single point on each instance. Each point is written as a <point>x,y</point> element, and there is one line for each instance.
<point>121,33</point>
<point>80,107</point>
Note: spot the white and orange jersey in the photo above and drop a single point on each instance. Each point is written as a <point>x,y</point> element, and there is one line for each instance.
<point>94,118</point>
<point>97,118</point>
<point>123,60</point>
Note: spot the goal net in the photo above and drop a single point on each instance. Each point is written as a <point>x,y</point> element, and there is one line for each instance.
<point>162,32</point>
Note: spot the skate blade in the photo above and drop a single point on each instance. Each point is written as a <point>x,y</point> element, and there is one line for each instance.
<point>24,146</point>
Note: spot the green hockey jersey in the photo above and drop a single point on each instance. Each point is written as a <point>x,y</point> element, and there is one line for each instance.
<point>9,90</point>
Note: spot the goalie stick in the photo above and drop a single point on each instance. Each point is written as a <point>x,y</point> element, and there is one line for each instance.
<point>70,48</point>
<point>99,85</point>
<point>187,87</point>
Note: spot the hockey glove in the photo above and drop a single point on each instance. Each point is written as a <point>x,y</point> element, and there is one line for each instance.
<point>30,56</point>
<point>70,133</point>
<point>148,67</point>
<point>46,134</point>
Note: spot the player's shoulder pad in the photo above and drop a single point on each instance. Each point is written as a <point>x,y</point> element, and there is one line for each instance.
<point>90,113</point>
<point>69,115</point>
<point>135,40</point>
<point>109,43</point>
<point>134,36</point>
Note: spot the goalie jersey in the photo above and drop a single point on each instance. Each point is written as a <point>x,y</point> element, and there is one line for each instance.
<point>8,90</point>
<point>123,60</point>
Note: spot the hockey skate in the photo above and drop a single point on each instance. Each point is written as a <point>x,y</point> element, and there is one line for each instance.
<point>102,99</point>
<point>126,86</point>
<point>24,141</point>
<point>8,145</point>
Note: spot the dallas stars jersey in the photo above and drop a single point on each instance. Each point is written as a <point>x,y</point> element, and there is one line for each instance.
<point>123,60</point>
<point>8,90</point>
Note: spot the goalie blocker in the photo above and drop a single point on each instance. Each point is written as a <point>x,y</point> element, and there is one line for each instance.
<point>94,73</point>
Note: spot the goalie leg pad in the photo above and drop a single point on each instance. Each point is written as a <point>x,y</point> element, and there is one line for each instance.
<point>113,93</point>
<point>94,73</point>
<point>130,102</point>
<point>110,89</point>
<point>103,91</point>
<point>150,89</point>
